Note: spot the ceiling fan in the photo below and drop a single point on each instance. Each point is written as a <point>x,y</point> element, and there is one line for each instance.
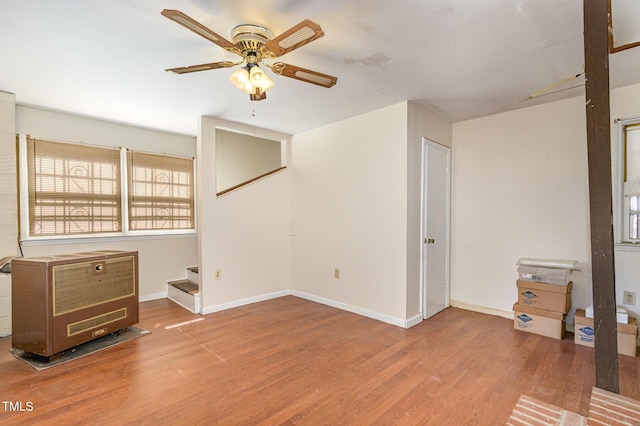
<point>254,44</point>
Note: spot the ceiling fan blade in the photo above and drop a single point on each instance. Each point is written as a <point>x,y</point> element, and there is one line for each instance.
<point>295,37</point>
<point>198,28</point>
<point>201,67</point>
<point>304,74</point>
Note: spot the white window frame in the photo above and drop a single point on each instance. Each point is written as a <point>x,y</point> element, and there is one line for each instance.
<point>620,202</point>
<point>125,233</point>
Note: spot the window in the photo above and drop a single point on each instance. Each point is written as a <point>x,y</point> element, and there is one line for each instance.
<point>634,215</point>
<point>629,178</point>
<point>72,189</point>
<point>75,189</point>
<point>160,191</point>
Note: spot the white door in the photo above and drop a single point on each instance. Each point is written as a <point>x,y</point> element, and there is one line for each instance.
<point>435,226</point>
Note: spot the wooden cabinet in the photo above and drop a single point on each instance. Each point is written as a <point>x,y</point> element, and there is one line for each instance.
<point>61,301</point>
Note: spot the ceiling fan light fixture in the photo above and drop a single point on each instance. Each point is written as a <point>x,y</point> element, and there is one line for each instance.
<point>240,79</point>
<point>251,79</point>
<point>259,79</point>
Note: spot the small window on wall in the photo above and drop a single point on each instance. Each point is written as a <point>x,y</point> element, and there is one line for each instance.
<point>72,189</point>
<point>160,192</point>
<point>242,159</point>
<point>629,178</point>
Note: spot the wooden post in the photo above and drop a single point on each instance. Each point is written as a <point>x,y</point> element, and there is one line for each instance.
<point>600,193</point>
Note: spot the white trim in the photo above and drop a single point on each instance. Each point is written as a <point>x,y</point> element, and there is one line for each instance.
<point>105,239</point>
<point>423,214</point>
<point>618,184</point>
<point>242,302</point>
<point>414,320</point>
<point>620,202</point>
<point>482,309</point>
<point>627,247</point>
<point>410,322</point>
<point>23,199</point>
<point>124,191</point>
<point>150,297</point>
<point>356,310</point>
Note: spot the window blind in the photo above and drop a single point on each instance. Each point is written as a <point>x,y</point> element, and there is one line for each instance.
<point>72,189</point>
<point>161,191</point>
<point>632,159</point>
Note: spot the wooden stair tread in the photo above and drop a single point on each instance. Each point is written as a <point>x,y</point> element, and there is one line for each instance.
<point>186,286</point>
<point>193,269</point>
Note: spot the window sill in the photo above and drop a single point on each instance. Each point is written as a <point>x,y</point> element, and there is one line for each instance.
<point>627,247</point>
<point>105,239</point>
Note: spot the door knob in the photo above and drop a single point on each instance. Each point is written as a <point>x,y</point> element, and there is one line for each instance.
<point>429,240</point>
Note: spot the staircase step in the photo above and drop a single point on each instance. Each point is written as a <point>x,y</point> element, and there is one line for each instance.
<point>186,286</point>
<point>192,274</point>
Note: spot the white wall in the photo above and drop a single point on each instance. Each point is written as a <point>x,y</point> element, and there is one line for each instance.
<point>160,258</point>
<point>520,189</point>
<point>8,207</point>
<point>244,233</point>
<point>349,198</point>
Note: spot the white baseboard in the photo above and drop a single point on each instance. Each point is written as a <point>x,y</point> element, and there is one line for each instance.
<point>149,297</point>
<point>242,302</point>
<point>414,321</point>
<point>410,322</point>
<point>482,309</point>
<point>356,310</point>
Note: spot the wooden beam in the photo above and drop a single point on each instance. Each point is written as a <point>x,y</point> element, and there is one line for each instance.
<point>600,194</point>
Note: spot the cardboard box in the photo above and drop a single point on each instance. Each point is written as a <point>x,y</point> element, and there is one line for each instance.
<point>550,297</point>
<point>538,321</point>
<point>585,334</point>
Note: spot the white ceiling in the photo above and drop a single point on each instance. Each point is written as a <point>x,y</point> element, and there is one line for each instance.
<point>462,58</point>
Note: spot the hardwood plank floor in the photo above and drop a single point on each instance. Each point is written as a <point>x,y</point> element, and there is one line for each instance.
<point>291,361</point>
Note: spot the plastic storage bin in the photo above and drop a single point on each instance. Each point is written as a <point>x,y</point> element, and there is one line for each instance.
<point>541,274</point>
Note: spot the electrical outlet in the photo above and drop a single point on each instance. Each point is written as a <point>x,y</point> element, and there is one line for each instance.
<point>218,274</point>
<point>336,273</point>
<point>629,298</point>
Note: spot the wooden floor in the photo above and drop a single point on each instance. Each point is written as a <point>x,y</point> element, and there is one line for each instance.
<point>291,361</point>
